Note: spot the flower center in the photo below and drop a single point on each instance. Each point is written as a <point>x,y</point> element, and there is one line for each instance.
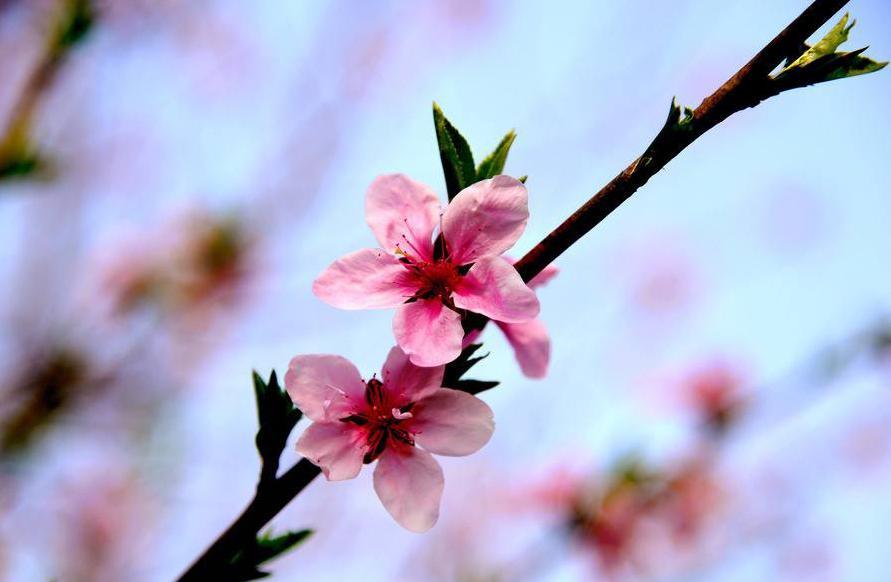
<point>437,279</point>
<point>381,421</point>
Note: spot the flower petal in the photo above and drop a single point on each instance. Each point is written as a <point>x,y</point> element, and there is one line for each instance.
<point>402,212</point>
<point>324,387</point>
<point>495,289</point>
<point>451,422</point>
<point>428,331</point>
<point>485,218</point>
<point>406,382</point>
<point>365,279</point>
<point>336,447</point>
<point>409,483</point>
<point>542,278</point>
<point>531,345</point>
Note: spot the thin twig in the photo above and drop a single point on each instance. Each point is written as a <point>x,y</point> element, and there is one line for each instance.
<point>743,90</point>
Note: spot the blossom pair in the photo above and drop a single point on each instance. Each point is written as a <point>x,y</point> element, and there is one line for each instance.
<point>434,268</point>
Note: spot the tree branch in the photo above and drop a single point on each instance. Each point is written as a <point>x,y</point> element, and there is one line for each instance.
<point>268,501</point>
<point>748,87</point>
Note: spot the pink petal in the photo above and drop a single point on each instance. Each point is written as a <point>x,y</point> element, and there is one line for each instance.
<point>403,213</point>
<point>451,422</point>
<point>428,331</point>
<point>406,382</point>
<point>365,279</point>
<point>531,344</point>
<point>409,483</point>
<point>336,447</point>
<point>324,387</point>
<point>546,275</point>
<point>494,288</point>
<point>486,218</point>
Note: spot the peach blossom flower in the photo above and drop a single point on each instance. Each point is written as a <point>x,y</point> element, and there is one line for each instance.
<point>388,420</point>
<point>431,279</point>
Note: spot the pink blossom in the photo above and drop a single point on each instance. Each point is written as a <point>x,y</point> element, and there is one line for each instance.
<point>388,420</point>
<point>530,340</point>
<point>432,279</point>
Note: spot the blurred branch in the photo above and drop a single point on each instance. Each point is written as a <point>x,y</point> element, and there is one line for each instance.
<point>748,87</point>
<point>18,153</point>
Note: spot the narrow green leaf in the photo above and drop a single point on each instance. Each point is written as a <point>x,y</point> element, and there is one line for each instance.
<point>245,565</point>
<point>822,62</point>
<point>853,64</point>
<point>277,416</point>
<point>828,44</point>
<point>493,165</point>
<point>269,546</point>
<point>454,153</point>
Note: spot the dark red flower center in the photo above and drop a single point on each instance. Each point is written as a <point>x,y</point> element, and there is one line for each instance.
<point>381,426</point>
<point>437,279</point>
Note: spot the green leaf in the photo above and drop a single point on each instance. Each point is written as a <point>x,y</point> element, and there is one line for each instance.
<point>455,154</point>
<point>245,565</point>
<point>827,45</point>
<point>493,165</point>
<point>277,417</point>
<point>822,62</point>
<point>675,121</point>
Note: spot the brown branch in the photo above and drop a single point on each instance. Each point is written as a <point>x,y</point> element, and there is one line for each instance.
<point>268,501</point>
<point>747,88</point>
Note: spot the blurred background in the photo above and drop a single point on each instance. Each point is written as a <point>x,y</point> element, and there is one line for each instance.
<point>173,175</point>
